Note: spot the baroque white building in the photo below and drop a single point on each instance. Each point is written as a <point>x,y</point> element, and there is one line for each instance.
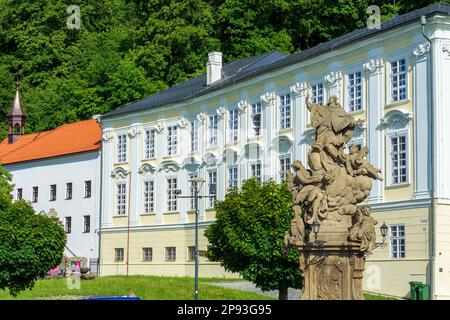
<point>58,171</point>
<point>248,118</point>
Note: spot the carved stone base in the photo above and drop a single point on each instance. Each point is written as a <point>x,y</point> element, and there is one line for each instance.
<point>332,269</point>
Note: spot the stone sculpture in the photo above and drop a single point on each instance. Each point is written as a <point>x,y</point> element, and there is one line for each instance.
<point>330,192</point>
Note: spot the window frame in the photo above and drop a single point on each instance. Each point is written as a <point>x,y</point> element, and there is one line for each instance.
<point>251,175</point>
<point>172,140</point>
<point>19,194</point>
<point>88,229</point>
<point>52,192</point>
<point>118,158</point>
<point>119,258</point>
<point>389,75</point>
<point>281,171</point>
<point>68,226</point>
<point>171,196</point>
<point>116,199</point>
<point>347,91</point>
<point>34,194</point>
<point>389,177</point>
<point>167,255</point>
<point>285,111</point>
<point>391,251</point>
<point>152,197</point>
<point>190,255</point>
<point>143,254</point>
<point>195,141</point>
<point>149,148</point>
<point>69,191</point>
<point>256,131</point>
<point>213,131</point>
<point>235,178</point>
<point>87,191</point>
<point>233,125</point>
<point>212,200</point>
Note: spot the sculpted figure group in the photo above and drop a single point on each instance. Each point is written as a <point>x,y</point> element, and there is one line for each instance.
<point>336,181</point>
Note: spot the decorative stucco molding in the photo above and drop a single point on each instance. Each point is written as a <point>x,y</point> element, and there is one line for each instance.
<point>299,89</point>
<point>159,126</point>
<point>169,166</point>
<point>446,48</point>
<point>119,173</point>
<point>146,169</point>
<point>108,136</point>
<point>183,123</point>
<point>396,119</point>
<point>421,50</point>
<point>242,105</point>
<point>221,112</point>
<point>210,159</point>
<point>332,78</point>
<point>373,66</point>
<point>202,117</point>
<point>269,98</point>
<point>133,132</point>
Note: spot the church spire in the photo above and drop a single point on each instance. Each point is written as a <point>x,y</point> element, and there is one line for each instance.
<point>16,117</point>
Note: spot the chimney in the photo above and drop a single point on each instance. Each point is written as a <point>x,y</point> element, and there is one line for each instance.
<point>214,67</point>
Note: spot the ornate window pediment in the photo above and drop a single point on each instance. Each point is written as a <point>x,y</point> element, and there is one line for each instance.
<point>169,166</point>
<point>308,136</point>
<point>282,144</point>
<point>146,169</point>
<point>210,158</point>
<point>119,173</point>
<point>253,150</point>
<point>230,156</point>
<point>397,119</point>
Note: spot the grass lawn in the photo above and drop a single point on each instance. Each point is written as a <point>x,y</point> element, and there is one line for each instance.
<point>145,287</point>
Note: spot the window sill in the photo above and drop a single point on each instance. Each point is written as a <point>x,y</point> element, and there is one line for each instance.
<point>232,144</point>
<point>148,214</point>
<point>282,131</point>
<point>210,209</point>
<point>171,212</point>
<point>397,103</point>
<point>397,186</point>
<point>68,199</point>
<point>149,159</point>
<point>357,112</point>
<point>170,260</point>
<point>120,216</point>
<point>86,232</point>
<point>117,261</point>
<point>146,261</point>
<point>120,163</point>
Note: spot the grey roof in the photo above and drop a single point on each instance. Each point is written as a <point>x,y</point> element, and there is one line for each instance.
<point>251,67</point>
<point>187,89</point>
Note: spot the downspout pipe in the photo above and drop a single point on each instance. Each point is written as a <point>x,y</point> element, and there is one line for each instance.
<point>432,221</point>
<point>100,204</point>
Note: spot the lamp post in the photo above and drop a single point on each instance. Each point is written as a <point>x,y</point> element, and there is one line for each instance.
<point>197,184</point>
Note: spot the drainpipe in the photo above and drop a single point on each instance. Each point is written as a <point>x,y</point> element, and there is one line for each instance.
<point>100,204</point>
<point>432,222</point>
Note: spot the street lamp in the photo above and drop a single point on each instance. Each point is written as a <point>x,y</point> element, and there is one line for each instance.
<point>197,184</point>
<point>316,228</point>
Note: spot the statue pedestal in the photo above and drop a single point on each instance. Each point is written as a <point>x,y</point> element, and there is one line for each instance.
<point>332,267</point>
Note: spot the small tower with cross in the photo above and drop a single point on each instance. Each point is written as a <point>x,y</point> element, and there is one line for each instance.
<point>16,118</point>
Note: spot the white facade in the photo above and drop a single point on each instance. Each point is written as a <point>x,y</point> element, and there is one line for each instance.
<point>76,169</point>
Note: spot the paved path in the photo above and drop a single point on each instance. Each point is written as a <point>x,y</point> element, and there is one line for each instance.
<point>243,285</point>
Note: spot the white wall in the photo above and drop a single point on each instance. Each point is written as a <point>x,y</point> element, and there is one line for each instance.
<point>61,170</point>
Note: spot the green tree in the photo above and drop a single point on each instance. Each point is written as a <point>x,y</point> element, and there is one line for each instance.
<point>248,234</point>
<point>30,243</point>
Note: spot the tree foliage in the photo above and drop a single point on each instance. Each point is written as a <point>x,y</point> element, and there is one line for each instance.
<point>128,49</point>
<point>248,234</point>
<point>30,243</point>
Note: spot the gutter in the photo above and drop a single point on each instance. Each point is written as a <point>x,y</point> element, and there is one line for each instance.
<point>432,220</point>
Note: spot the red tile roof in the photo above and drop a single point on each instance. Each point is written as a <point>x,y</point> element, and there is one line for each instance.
<point>68,139</point>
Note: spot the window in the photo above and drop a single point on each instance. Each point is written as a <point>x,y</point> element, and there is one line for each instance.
<point>118,254</point>
<point>399,159</point>
<point>398,80</point>
<point>171,194</point>
<point>86,224</point>
<point>149,196</point>
<point>212,130</point>
<point>191,254</point>
<point>194,136</point>
<point>19,194</point>
<point>192,193</point>
<point>52,192</point>
<point>233,125</point>
<point>285,165</point>
<point>355,92</point>
<point>285,111</point>
<point>317,93</point>
<point>171,140</point>
<point>232,176</point>
<point>256,118</point>
<point>121,148</point>
<point>121,198</point>
<point>150,144</point>
<point>69,191</point>
<point>68,224</point>
<point>171,253</point>
<point>35,194</point>
<point>87,189</point>
<point>147,254</point>
<point>397,241</point>
<point>212,183</point>
<point>255,171</point>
